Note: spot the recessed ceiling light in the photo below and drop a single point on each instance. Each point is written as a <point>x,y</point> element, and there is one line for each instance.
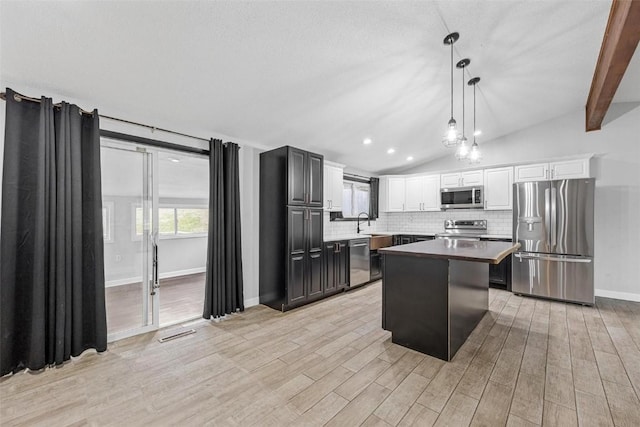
<point>477,132</point>
<point>391,151</point>
<point>409,158</point>
<point>173,159</point>
<point>367,141</point>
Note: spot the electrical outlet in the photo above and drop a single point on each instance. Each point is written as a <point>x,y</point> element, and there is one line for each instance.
<point>118,258</point>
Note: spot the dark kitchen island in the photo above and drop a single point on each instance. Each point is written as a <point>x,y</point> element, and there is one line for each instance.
<point>434,293</point>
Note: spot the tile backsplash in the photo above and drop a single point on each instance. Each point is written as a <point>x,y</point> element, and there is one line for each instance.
<point>341,228</point>
<point>498,222</point>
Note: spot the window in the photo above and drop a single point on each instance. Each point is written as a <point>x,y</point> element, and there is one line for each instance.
<point>177,221</point>
<point>192,221</point>
<point>355,198</point>
<point>167,221</point>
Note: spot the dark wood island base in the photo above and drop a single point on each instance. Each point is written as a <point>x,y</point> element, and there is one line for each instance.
<point>435,293</point>
<point>432,305</point>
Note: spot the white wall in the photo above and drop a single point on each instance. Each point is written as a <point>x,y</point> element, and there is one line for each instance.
<point>616,168</point>
<point>249,160</point>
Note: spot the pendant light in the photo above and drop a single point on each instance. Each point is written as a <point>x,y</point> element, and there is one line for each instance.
<point>450,138</point>
<point>463,146</point>
<point>474,154</point>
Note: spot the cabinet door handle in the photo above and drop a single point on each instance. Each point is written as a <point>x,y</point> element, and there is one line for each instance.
<point>546,173</point>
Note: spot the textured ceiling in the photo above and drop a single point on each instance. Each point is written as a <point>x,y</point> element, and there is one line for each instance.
<point>318,75</point>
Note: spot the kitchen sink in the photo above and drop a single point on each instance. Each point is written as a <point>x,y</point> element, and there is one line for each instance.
<point>377,241</point>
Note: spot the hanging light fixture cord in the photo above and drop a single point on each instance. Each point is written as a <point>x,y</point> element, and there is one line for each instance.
<point>463,102</point>
<point>474,114</point>
<point>451,79</point>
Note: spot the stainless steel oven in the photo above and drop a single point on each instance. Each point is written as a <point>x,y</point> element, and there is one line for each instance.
<point>474,229</point>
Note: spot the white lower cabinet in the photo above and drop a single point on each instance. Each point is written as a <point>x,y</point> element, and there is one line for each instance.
<point>498,188</point>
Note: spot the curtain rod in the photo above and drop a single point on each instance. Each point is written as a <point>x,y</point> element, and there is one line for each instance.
<point>19,98</point>
<point>357,176</point>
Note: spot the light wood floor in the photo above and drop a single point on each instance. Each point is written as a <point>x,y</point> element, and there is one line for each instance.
<point>180,298</point>
<point>529,362</point>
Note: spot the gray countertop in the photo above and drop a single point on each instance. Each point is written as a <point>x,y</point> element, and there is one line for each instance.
<point>392,233</point>
<point>346,237</point>
<point>464,250</point>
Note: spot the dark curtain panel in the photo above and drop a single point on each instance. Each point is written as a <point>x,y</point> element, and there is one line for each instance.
<point>374,197</point>
<point>52,266</point>
<point>223,289</point>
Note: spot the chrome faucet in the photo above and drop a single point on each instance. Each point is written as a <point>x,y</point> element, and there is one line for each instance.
<point>368,221</point>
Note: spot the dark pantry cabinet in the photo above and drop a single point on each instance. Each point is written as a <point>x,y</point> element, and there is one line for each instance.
<point>291,234</point>
<point>305,254</point>
<point>305,174</point>
<point>336,261</point>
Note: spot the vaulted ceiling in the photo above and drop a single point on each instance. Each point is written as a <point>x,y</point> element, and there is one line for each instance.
<point>318,75</point>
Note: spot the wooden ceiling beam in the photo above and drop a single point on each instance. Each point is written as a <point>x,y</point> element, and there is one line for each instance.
<point>620,40</point>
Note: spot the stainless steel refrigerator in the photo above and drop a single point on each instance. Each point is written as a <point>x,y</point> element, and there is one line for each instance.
<point>553,222</point>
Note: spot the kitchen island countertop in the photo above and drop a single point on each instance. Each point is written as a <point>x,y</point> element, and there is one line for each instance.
<point>455,249</point>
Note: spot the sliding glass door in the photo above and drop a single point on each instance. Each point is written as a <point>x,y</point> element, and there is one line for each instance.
<point>130,239</point>
<point>183,219</point>
<point>155,217</point>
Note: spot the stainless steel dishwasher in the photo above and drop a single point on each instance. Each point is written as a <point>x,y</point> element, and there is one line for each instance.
<point>359,262</point>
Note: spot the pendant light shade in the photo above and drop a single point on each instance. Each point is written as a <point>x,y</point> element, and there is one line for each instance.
<point>474,154</point>
<point>462,152</point>
<point>451,136</point>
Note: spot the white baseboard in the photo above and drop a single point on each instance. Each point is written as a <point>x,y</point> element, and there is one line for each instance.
<point>627,296</point>
<point>178,273</point>
<point>251,302</point>
<point>167,275</point>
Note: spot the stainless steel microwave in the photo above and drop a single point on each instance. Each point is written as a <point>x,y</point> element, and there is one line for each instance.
<point>462,198</point>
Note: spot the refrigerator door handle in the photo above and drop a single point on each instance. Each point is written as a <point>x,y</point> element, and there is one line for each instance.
<point>522,256</point>
<point>554,218</point>
<point>547,214</point>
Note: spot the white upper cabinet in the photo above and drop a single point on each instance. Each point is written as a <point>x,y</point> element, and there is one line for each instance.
<point>570,169</point>
<point>392,194</point>
<point>498,188</point>
<point>535,172</point>
<point>462,179</point>
<point>413,193</point>
<point>431,193</point>
<point>450,180</point>
<point>421,193</point>
<point>333,187</point>
<point>566,169</point>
